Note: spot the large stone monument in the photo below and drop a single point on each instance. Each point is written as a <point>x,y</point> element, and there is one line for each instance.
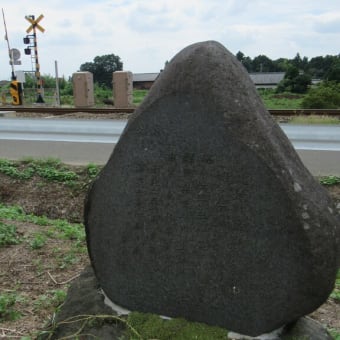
<point>205,211</point>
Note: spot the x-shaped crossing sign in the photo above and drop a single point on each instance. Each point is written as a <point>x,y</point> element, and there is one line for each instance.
<point>34,23</point>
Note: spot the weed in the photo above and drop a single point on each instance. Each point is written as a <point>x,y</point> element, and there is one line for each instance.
<point>39,266</point>
<point>52,298</point>
<point>336,292</point>
<point>92,170</point>
<point>64,228</point>
<point>7,303</point>
<point>8,234</point>
<point>50,169</point>
<point>38,241</point>
<point>330,180</point>
<point>11,169</point>
<point>67,260</point>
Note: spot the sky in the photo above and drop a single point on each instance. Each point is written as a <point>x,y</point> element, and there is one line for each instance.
<point>147,33</point>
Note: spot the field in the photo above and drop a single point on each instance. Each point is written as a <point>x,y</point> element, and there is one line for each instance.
<point>42,246</point>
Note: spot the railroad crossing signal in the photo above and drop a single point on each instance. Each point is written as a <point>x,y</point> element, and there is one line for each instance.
<point>34,23</point>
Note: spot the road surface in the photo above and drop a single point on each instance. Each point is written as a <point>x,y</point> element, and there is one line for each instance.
<point>92,141</point>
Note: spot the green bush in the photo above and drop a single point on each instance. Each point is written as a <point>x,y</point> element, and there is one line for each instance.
<point>326,95</point>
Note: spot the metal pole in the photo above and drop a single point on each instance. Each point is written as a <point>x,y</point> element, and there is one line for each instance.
<point>11,59</point>
<point>57,83</point>
<point>37,66</point>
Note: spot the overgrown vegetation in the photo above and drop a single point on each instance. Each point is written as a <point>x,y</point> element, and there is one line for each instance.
<point>273,100</point>
<point>325,95</point>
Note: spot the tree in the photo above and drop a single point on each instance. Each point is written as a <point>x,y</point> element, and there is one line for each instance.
<point>325,95</point>
<point>294,81</point>
<point>102,68</point>
<point>262,63</point>
<point>333,74</point>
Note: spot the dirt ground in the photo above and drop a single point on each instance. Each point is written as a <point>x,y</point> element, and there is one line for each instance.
<point>37,275</point>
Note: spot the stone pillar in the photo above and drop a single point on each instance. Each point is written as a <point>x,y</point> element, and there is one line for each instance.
<point>122,88</point>
<point>83,89</point>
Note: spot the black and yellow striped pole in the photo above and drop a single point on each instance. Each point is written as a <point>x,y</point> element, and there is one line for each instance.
<point>33,27</point>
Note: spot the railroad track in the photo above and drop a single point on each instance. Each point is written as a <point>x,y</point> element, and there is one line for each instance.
<point>64,110</point>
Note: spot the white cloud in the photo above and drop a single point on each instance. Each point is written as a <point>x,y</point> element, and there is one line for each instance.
<point>147,33</point>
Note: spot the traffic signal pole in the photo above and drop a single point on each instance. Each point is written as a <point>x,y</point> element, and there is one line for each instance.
<point>34,25</point>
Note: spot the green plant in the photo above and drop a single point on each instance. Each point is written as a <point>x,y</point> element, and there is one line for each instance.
<point>52,298</point>
<point>11,169</point>
<point>50,169</point>
<point>334,333</point>
<point>70,231</point>
<point>92,170</point>
<point>67,260</point>
<point>336,292</point>
<point>329,180</point>
<point>8,234</point>
<point>7,303</point>
<point>325,95</point>
<point>138,96</point>
<point>38,241</point>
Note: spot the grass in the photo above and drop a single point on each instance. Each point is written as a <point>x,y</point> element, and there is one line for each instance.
<point>8,234</point>
<point>138,96</point>
<point>57,228</point>
<point>50,247</point>
<point>286,101</point>
<point>49,169</point>
<point>314,119</point>
<point>7,306</point>
<point>272,101</point>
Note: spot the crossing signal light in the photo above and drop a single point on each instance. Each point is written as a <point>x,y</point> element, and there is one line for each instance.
<point>16,92</point>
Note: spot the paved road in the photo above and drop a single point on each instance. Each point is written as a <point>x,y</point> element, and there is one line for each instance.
<point>85,141</point>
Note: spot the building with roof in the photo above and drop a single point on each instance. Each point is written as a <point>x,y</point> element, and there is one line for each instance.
<point>264,80</point>
<point>143,81</point>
